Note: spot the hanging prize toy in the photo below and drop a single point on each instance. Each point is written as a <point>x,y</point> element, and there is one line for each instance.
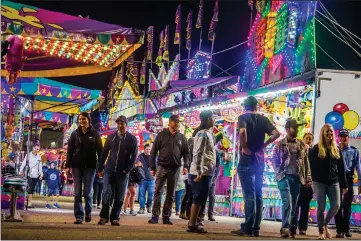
<point>15,59</point>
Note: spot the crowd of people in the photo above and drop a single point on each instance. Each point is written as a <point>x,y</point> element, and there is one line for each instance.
<point>188,169</point>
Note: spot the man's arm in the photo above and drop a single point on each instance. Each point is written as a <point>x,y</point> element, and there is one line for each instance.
<point>341,172</point>
<point>243,137</point>
<point>274,136</point>
<point>272,131</point>
<point>133,157</point>
<point>307,166</point>
<point>105,153</point>
<point>276,160</point>
<point>358,166</point>
<point>99,145</point>
<point>153,153</point>
<point>185,153</point>
<point>242,125</point>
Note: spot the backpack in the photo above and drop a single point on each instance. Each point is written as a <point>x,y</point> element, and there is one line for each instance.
<point>136,175</point>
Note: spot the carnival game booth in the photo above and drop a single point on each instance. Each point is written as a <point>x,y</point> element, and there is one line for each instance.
<point>47,103</point>
<point>57,44</point>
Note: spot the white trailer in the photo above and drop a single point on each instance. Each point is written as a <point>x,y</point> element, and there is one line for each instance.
<point>338,102</point>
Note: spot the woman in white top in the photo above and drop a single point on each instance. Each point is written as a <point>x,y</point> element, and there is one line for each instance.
<point>35,172</point>
<point>202,168</point>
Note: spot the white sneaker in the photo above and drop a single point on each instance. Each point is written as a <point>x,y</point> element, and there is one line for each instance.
<point>94,205</point>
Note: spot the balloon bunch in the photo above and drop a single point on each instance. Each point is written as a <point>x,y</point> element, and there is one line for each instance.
<point>342,117</point>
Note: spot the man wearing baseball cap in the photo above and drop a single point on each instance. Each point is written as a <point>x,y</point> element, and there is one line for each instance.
<point>351,158</point>
<point>169,147</point>
<point>292,169</point>
<point>120,151</point>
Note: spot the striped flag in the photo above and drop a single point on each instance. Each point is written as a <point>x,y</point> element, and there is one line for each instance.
<point>189,30</point>
<point>200,14</point>
<point>178,25</point>
<point>213,26</point>
<point>159,59</point>
<point>166,44</point>
<point>150,36</point>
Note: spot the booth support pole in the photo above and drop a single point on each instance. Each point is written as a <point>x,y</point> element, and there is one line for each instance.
<point>233,163</point>
<point>314,97</point>
<point>28,146</point>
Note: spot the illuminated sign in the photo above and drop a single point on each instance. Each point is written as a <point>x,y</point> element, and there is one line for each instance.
<point>260,40</point>
<point>270,35</point>
<point>292,27</point>
<point>281,22</point>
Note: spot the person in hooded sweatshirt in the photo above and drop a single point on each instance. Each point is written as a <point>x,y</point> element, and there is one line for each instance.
<point>84,149</point>
<point>170,147</point>
<point>53,181</point>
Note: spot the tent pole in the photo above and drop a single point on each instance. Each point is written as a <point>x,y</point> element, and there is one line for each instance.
<point>28,146</point>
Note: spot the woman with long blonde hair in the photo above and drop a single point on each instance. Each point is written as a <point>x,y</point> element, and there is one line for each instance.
<point>328,175</point>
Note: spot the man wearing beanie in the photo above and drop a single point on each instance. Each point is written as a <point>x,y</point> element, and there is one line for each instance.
<point>169,148</point>
<point>253,128</point>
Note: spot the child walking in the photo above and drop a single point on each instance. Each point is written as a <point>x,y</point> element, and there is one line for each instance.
<point>53,181</point>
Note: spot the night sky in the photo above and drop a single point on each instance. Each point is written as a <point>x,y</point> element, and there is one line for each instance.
<point>232,29</point>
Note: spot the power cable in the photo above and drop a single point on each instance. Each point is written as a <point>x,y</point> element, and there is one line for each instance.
<point>339,38</point>
<point>330,16</point>
<point>330,56</point>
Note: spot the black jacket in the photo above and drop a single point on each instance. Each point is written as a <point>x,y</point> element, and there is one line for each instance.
<point>121,153</point>
<point>84,149</point>
<point>170,149</point>
<point>328,170</point>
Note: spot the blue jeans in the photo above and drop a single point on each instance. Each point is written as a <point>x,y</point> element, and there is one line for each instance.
<point>146,186</point>
<point>334,195</point>
<point>178,199</point>
<point>250,172</point>
<point>113,182</point>
<point>289,189</point>
<point>83,176</point>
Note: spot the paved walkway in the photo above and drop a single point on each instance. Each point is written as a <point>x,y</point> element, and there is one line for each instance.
<point>41,223</point>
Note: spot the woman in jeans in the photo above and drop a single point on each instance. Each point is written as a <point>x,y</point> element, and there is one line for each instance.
<point>201,170</point>
<point>328,175</point>
<point>84,149</point>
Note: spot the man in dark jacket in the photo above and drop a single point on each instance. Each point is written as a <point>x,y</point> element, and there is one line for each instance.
<point>170,147</point>
<point>121,149</point>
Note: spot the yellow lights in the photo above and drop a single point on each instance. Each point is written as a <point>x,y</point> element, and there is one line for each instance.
<point>270,35</point>
<point>99,54</point>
